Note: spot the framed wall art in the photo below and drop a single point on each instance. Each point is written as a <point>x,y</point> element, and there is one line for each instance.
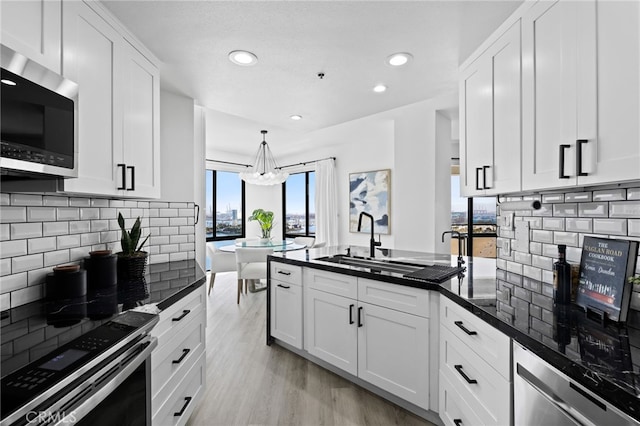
<point>369,192</point>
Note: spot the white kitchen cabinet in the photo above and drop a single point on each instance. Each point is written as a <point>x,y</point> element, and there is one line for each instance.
<point>490,122</point>
<point>331,333</point>
<point>393,352</point>
<point>286,303</point>
<point>118,108</point>
<point>34,29</point>
<point>580,93</point>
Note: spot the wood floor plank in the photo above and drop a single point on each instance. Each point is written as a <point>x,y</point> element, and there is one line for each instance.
<point>250,383</point>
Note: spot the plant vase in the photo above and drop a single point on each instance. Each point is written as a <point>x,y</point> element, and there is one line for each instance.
<point>132,267</point>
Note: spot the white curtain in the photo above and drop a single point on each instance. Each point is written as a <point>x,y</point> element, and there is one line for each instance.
<point>326,202</point>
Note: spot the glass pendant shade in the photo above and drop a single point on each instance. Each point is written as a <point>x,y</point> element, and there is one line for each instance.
<point>265,170</point>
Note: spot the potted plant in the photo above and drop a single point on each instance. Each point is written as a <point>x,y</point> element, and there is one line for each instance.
<point>265,219</point>
<point>635,280</point>
<point>131,260</point>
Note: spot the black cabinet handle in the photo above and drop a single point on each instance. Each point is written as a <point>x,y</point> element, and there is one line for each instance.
<point>459,369</point>
<point>457,422</point>
<point>351,313</point>
<point>360,316</point>
<point>187,400</point>
<point>197,207</point>
<point>484,177</point>
<point>184,354</point>
<point>561,174</point>
<point>465,329</point>
<point>133,178</point>
<point>124,176</point>
<point>478,169</point>
<point>283,286</point>
<point>284,273</point>
<point>579,144</point>
<point>184,314</point>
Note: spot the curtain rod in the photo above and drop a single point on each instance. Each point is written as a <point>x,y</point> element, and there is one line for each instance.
<point>230,162</point>
<point>304,163</point>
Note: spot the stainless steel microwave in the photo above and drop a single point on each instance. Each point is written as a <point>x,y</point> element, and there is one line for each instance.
<point>37,119</point>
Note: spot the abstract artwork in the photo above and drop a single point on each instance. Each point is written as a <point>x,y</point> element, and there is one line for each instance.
<point>369,193</point>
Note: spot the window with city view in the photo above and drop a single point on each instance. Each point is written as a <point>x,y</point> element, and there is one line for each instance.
<point>483,220</point>
<point>299,205</point>
<point>225,205</point>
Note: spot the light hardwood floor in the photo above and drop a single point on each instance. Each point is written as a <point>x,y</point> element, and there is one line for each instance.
<point>250,383</point>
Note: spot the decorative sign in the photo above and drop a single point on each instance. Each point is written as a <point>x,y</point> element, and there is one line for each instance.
<point>605,267</point>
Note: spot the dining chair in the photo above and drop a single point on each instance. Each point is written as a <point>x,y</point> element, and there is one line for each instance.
<point>306,241</point>
<point>220,262</point>
<point>251,263</point>
<point>318,245</point>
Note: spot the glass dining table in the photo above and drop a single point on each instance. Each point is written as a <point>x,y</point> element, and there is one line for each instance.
<point>277,245</point>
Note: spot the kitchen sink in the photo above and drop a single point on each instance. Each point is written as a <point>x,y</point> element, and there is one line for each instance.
<point>373,264</point>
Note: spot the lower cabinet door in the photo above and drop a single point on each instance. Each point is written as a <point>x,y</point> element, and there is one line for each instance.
<point>331,333</point>
<point>454,411</point>
<point>393,352</point>
<point>286,313</point>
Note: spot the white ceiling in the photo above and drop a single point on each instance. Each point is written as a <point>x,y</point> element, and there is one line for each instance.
<point>294,40</point>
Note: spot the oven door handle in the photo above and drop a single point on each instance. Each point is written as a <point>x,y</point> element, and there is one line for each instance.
<point>91,402</point>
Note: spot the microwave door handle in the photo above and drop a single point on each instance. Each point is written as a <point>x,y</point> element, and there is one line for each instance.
<point>133,178</point>
<point>124,176</point>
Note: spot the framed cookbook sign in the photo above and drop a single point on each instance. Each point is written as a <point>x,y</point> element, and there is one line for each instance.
<point>605,267</point>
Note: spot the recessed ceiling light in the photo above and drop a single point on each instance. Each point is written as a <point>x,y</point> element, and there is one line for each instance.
<point>243,58</point>
<point>380,88</point>
<point>8,82</point>
<point>296,117</point>
<point>399,59</point>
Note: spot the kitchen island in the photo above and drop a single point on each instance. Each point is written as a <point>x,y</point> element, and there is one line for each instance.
<point>472,315</point>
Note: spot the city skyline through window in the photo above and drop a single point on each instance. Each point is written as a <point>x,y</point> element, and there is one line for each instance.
<point>225,205</point>
<point>299,205</point>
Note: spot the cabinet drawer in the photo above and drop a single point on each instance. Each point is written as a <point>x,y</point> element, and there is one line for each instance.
<point>286,312</point>
<point>331,282</point>
<point>171,361</point>
<point>482,387</point>
<point>286,273</point>
<point>175,317</point>
<point>180,405</point>
<point>401,298</point>
<point>454,411</point>
<point>486,341</point>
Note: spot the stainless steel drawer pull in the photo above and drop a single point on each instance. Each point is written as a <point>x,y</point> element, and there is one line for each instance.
<point>283,286</point>
<point>187,400</point>
<point>184,314</point>
<point>464,376</point>
<point>185,352</point>
<point>284,273</point>
<point>457,422</point>
<point>465,329</point>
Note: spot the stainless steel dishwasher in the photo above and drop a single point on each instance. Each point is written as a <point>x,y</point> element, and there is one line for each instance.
<point>544,396</point>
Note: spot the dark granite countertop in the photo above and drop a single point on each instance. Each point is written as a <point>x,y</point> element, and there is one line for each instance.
<point>31,331</point>
<point>604,359</point>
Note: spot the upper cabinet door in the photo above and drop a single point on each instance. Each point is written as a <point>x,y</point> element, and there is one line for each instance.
<point>34,29</point>
<point>615,154</point>
<point>90,56</point>
<point>550,78</point>
<point>141,126</point>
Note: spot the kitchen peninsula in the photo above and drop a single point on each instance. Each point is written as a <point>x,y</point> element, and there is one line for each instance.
<point>443,351</point>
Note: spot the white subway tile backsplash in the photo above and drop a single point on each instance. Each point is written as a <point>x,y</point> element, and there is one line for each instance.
<point>514,267</point>
<point>5,233</point>
<point>89,213</point>
<point>26,200</point>
<point>178,221</point>
<point>568,238</point>
<point>542,262</point>
<point>535,248</point>
<point>159,221</point>
<point>185,230</point>
<point>634,227</point>
<point>578,196</point>
<point>5,301</point>
<point>41,214</point>
<point>168,212</point>
<point>57,257</point>
<point>99,225</point>
<point>170,248</point>
<point>130,203</point>
<point>158,205</point>
<point>79,202</point>
<point>10,214</point>
<point>159,240</point>
<point>108,213</point>
<point>176,257</point>
<point>21,231</point>
<point>78,253</point>
<point>610,226</point>
<point>55,228</point>
<point>26,295</point>
<point>38,276</point>
<point>547,276</point>
<point>153,213</point>
<point>579,224</point>
<point>610,195</point>
<point>542,236</point>
<point>593,209</point>
<point>531,272</point>
<point>40,245</point>
<point>187,212</point>
<point>143,204</point>
<point>633,194</point>
<point>628,209</point>
<point>90,239</point>
<point>191,247</point>
<point>137,213</point>
<point>54,201</point>
<point>178,205</point>
<point>552,198</point>
<point>99,202</point>
<point>169,230</point>
<point>26,263</point>
<point>574,254</point>
<point>13,248</point>
<point>565,210</point>
<point>5,266</point>
<point>501,263</point>
<point>68,241</point>
<point>159,258</point>
<point>524,258</point>
<point>116,203</point>
<point>550,250</point>
<point>5,199</point>
<point>553,223</point>
<point>13,282</point>
<point>68,213</point>
<point>79,226</point>
<point>178,239</point>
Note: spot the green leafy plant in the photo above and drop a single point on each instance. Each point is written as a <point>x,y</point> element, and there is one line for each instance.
<point>265,219</point>
<point>635,280</point>
<point>129,239</point>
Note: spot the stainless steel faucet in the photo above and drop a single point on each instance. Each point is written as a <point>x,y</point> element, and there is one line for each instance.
<point>456,233</point>
<point>372,242</point>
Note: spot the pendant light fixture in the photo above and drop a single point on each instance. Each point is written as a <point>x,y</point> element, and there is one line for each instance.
<point>265,170</point>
